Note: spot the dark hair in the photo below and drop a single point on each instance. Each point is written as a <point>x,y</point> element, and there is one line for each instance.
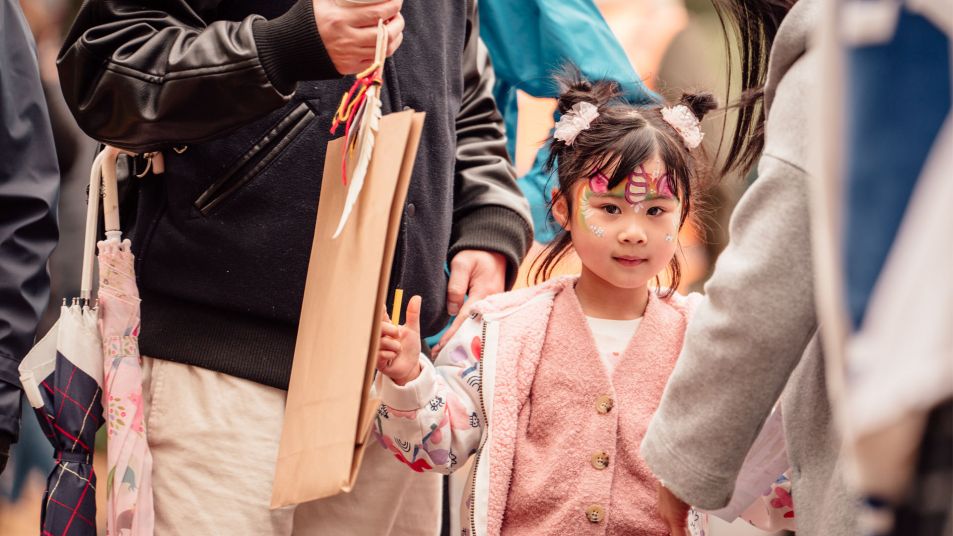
<point>622,137</point>
<point>755,24</point>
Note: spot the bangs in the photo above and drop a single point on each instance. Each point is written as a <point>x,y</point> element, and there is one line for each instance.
<point>635,148</point>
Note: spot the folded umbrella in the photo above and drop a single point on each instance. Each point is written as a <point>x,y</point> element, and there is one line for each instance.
<point>62,377</point>
<point>129,479</point>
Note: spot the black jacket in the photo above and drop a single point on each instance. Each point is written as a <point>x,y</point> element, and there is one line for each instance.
<point>29,187</point>
<point>223,237</point>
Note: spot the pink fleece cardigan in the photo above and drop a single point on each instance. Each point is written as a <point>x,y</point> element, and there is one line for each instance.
<point>545,424</point>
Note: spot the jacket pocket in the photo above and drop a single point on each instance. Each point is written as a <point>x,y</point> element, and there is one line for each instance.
<point>255,159</point>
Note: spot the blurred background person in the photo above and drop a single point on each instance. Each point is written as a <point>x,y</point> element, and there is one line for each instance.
<point>29,186</point>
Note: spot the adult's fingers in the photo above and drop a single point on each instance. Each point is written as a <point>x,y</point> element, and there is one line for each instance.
<point>452,330</point>
<point>368,15</point>
<point>395,33</point>
<point>489,277</point>
<point>394,44</point>
<point>364,39</point>
<point>461,270</point>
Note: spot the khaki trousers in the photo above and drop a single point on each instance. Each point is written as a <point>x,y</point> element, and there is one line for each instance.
<point>214,441</point>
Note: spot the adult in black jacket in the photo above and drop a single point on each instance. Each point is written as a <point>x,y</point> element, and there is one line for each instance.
<point>29,187</point>
<point>245,91</point>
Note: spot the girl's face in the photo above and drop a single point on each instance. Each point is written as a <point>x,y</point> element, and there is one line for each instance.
<point>626,235</point>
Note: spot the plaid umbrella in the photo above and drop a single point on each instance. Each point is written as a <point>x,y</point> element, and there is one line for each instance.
<point>62,377</point>
<point>129,480</point>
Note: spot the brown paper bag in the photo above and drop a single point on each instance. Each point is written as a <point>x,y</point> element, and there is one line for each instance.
<point>329,410</point>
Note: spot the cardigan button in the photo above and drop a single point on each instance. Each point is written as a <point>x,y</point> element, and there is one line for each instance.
<point>604,404</point>
<point>599,460</point>
<point>595,514</point>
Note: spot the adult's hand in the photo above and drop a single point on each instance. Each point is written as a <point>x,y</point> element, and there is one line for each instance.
<point>673,511</point>
<point>349,31</point>
<point>474,274</point>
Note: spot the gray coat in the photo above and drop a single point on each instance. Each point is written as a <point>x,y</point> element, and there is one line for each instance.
<point>756,334</point>
<point>29,187</point>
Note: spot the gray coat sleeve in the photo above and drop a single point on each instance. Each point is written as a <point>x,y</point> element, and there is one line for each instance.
<point>29,187</point>
<point>742,344</point>
<point>489,210</point>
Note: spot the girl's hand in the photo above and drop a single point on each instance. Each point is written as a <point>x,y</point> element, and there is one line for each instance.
<point>399,355</point>
<point>673,511</point>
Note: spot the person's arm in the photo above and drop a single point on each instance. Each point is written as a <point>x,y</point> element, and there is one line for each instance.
<point>29,188</point>
<point>144,74</point>
<point>742,343</point>
<point>489,213</point>
<point>430,417</point>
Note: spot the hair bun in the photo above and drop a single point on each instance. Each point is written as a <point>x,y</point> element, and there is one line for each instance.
<point>574,88</point>
<point>699,103</point>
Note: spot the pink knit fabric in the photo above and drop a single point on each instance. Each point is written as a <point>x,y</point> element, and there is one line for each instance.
<point>547,406</point>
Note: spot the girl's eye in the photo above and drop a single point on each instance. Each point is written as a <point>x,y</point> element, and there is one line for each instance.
<point>655,211</point>
<point>612,209</point>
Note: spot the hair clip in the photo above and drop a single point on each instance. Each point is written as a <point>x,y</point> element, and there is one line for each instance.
<point>575,121</point>
<point>684,121</point>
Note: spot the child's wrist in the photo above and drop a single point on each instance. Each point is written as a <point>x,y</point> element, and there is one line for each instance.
<point>410,376</point>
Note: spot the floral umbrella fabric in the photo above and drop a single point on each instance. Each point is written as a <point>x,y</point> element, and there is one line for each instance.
<point>129,480</point>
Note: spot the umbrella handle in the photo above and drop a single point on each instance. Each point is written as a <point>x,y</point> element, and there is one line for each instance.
<point>92,219</point>
<point>110,195</point>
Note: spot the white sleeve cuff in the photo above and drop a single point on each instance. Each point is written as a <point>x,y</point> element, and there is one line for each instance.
<point>416,393</point>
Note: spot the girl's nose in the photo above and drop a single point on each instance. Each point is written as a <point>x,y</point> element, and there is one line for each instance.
<point>633,233</point>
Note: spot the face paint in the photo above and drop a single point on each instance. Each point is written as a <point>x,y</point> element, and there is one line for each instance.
<point>641,186</point>
<point>599,183</point>
<point>598,188</point>
<point>638,187</point>
<point>585,210</point>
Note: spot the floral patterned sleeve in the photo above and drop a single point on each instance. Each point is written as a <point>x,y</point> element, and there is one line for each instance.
<point>434,423</point>
<point>774,510</point>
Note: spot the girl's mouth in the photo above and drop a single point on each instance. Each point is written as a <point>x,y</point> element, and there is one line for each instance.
<point>629,261</point>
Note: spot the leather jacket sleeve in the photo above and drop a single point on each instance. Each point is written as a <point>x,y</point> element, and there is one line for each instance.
<point>490,212</point>
<point>142,74</point>
<point>29,187</point>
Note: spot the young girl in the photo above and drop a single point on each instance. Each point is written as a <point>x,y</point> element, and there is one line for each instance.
<point>551,388</point>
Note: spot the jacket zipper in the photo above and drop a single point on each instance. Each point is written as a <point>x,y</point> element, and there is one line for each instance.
<point>486,425</point>
<point>250,164</point>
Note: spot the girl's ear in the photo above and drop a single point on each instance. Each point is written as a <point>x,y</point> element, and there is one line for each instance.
<point>561,210</point>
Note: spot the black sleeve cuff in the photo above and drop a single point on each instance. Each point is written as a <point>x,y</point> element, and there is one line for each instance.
<point>290,49</point>
<point>493,228</point>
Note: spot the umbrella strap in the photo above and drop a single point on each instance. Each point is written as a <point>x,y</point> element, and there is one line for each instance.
<point>74,457</point>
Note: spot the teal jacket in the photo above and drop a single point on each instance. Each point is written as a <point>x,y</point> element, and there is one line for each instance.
<point>529,41</point>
